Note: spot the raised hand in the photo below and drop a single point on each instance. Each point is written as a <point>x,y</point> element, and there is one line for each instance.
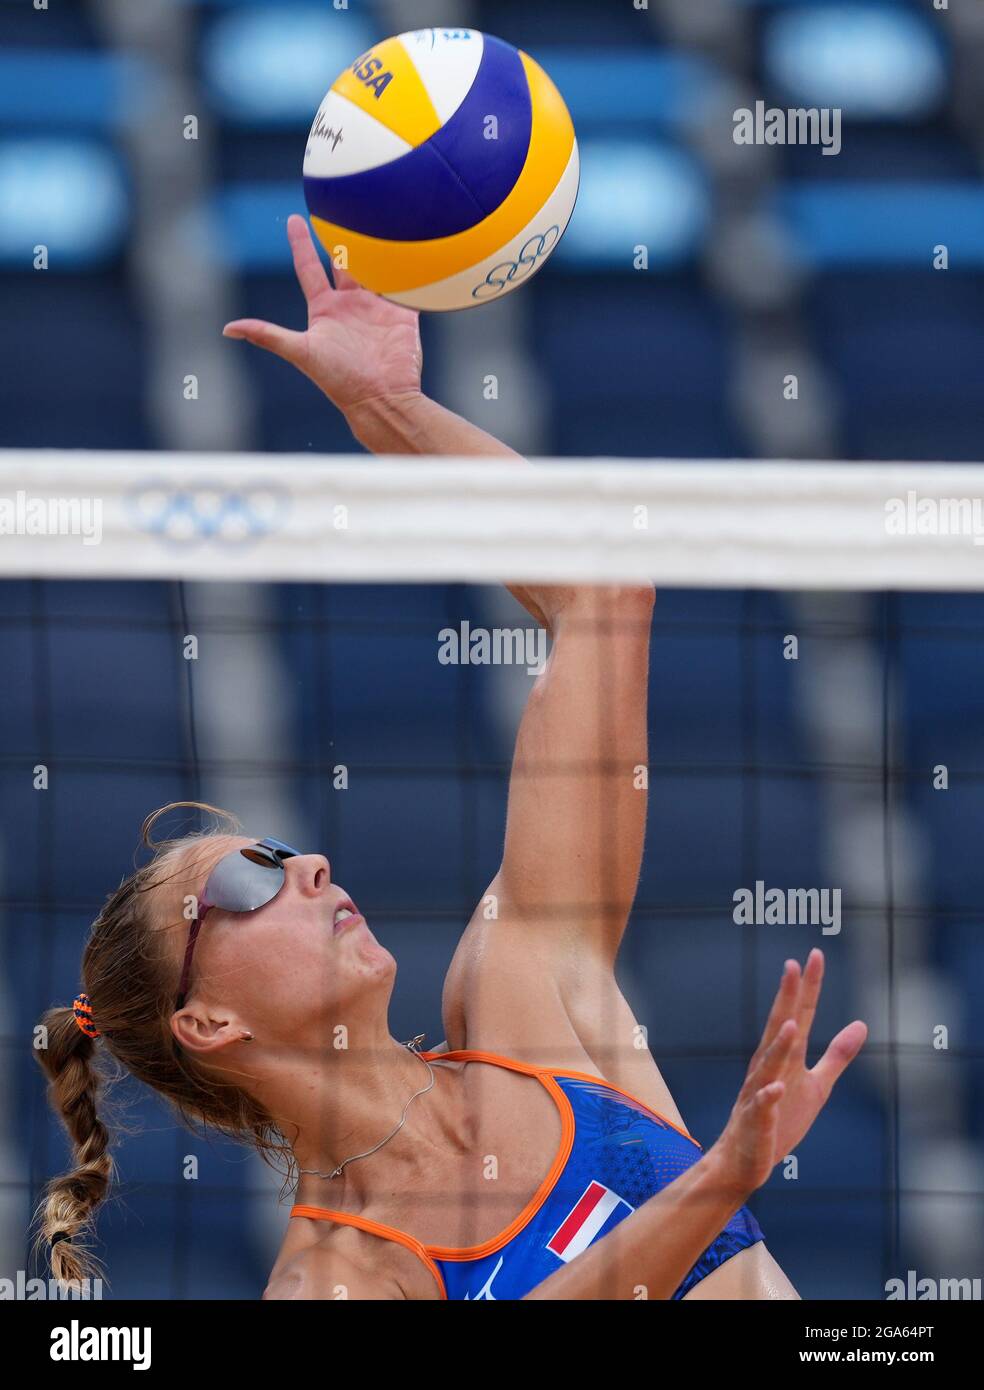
<point>357,347</point>
<point>781,1097</point>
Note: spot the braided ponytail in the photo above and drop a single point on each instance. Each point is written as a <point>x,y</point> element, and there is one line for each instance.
<point>130,981</point>
<point>65,1214</point>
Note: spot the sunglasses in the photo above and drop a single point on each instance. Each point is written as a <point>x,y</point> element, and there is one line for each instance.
<point>242,881</point>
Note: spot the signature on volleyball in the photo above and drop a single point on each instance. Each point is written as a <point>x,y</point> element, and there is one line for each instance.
<point>507,273</point>
<point>208,512</point>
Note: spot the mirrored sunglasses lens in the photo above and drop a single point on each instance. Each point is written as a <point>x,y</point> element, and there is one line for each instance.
<point>242,882</point>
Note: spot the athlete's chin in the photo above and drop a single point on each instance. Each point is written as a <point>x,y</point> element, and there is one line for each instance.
<point>373,958</point>
<point>381,964</point>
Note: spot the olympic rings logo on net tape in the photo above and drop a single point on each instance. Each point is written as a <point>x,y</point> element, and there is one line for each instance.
<point>208,512</point>
<point>508,272</point>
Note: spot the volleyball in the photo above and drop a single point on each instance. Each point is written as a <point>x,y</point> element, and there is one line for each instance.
<point>441,169</point>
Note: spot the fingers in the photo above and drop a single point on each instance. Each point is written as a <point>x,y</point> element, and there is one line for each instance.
<point>748,1145</point>
<point>796,998</point>
<point>840,1054</point>
<point>783,1007</point>
<point>809,996</point>
<point>771,1067</point>
<point>311,274</point>
<point>282,341</point>
<point>769,1063</point>
<point>308,266</point>
<point>764,1114</point>
<point>769,1097</point>
<point>343,280</point>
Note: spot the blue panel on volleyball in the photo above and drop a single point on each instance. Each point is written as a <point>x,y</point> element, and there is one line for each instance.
<point>422,195</point>
<point>500,87</point>
<point>412,198</point>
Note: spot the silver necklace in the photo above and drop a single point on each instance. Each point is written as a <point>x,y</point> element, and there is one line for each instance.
<point>412,1046</point>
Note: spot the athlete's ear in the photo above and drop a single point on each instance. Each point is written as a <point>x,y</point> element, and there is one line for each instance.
<point>202,1031</point>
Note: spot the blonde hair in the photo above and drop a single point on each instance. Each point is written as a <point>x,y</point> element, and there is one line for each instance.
<point>132,985</point>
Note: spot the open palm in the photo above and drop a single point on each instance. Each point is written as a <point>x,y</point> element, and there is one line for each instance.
<point>781,1096</point>
<point>357,347</point>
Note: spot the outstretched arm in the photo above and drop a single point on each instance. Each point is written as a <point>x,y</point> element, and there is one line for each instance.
<point>577,804</point>
<point>655,1247</point>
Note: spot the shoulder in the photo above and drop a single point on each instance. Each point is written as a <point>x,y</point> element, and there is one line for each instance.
<point>751,1273</point>
<point>323,1273</point>
<point>347,1264</point>
<point>548,999</point>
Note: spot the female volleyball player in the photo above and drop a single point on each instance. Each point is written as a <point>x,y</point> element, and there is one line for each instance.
<point>538,1153</point>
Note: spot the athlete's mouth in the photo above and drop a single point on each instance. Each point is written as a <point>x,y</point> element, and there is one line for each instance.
<point>345,912</point>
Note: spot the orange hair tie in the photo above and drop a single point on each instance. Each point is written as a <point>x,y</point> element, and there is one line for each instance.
<point>82,1009</point>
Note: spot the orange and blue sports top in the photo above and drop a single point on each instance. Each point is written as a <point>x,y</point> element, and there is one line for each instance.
<point>614,1154</point>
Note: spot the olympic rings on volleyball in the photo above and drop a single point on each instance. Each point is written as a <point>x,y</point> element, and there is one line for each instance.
<point>208,512</point>
<point>508,272</point>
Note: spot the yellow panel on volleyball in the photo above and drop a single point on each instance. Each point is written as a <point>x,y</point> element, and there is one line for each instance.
<point>385,83</point>
<point>393,266</point>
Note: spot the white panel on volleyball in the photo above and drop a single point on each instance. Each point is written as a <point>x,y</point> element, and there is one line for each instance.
<point>513,263</point>
<point>346,140</point>
<point>447,61</point>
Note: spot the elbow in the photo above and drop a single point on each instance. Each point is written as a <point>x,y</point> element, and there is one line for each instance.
<point>641,595</point>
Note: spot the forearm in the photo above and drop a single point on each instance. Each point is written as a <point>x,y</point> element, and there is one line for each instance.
<point>576,814</point>
<point>649,1254</point>
<point>412,423</point>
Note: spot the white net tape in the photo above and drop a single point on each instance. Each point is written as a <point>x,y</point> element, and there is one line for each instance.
<point>289,517</point>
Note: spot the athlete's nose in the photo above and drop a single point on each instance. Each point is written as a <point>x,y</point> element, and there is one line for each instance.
<point>310,873</point>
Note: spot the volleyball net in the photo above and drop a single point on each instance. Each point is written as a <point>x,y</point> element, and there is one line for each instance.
<point>288,517</point>
<point>293,638</point>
